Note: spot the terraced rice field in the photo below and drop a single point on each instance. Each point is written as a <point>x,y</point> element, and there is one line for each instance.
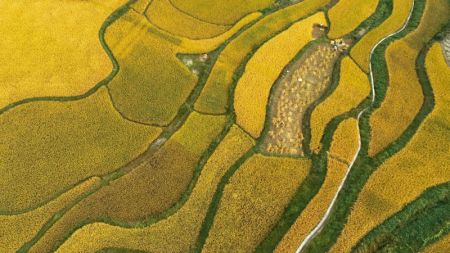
<point>224,126</point>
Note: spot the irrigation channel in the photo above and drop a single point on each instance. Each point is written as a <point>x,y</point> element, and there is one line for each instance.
<point>318,228</point>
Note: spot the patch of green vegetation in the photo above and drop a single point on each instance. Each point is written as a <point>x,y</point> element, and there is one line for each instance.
<point>365,166</point>
<point>418,225</point>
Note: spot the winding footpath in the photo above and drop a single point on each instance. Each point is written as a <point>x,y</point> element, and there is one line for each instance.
<point>318,228</point>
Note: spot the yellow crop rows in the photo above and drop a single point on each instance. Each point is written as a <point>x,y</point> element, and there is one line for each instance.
<point>40,60</point>
<point>164,15</point>
<point>253,89</point>
<point>82,138</point>
<point>178,232</point>
<point>220,11</point>
<point>441,246</point>
<point>12,227</point>
<point>314,211</point>
<point>214,97</point>
<point>421,164</point>
<point>346,15</point>
<point>404,93</point>
<point>253,201</point>
<point>345,142</point>
<point>361,51</point>
<point>353,87</point>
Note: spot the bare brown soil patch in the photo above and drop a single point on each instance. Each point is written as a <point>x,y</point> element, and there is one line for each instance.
<point>303,83</point>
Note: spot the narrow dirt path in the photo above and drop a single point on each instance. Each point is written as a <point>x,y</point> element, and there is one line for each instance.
<point>324,219</point>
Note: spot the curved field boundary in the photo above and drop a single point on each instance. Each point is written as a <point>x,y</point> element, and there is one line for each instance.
<point>314,181</point>
<point>141,6</point>
<point>440,246</point>
<point>367,165</point>
<point>203,20</point>
<point>418,213</point>
<point>399,10</point>
<point>177,233</point>
<point>403,90</point>
<point>253,88</point>
<point>111,19</point>
<point>162,15</point>
<point>419,165</point>
<point>198,18</point>
<point>12,237</point>
<point>176,123</point>
<point>171,128</point>
<point>321,224</point>
<point>215,97</point>
<point>343,22</point>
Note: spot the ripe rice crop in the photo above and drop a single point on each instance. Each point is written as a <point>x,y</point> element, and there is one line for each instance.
<point>315,209</point>
<point>404,93</point>
<point>150,187</point>
<point>39,60</point>
<point>152,83</point>
<point>353,87</point>
<point>63,143</point>
<point>209,44</point>
<point>177,233</point>
<point>343,21</point>
<point>165,16</point>
<point>422,163</point>
<point>215,96</point>
<point>253,201</point>
<point>253,89</point>
<point>141,5</point>
<point>220,11</point>
<point>16,230</point>
<point>361,51</point>
<point>345,142</point>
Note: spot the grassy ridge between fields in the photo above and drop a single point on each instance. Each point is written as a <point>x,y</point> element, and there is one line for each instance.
<point>365,166</point>
<point>215,97</point>
<point>110,20</point>
<point>182,115</point>
<point>417,225</point>
<point>428,135</point>
<point>317,174</point>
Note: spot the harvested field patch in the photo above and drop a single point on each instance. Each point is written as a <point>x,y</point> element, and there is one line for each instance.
<point>17,229</point>
<point>220,11</point>
<point>353,87</point>
<point>39,60</point>
<point>315,209</point>
<point>304,83</point>
<point>361,51</point>
<point>150,187</point>
<point>253,201</point>
<point>152,83</point>
<point>404,94</point>
<point>165,16</point>
<point>215,96</point>
<point>421,164</point>
<point>177,233</point>
<point>346,15</point>
<point>253,88</point>
<point>63,143</point>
